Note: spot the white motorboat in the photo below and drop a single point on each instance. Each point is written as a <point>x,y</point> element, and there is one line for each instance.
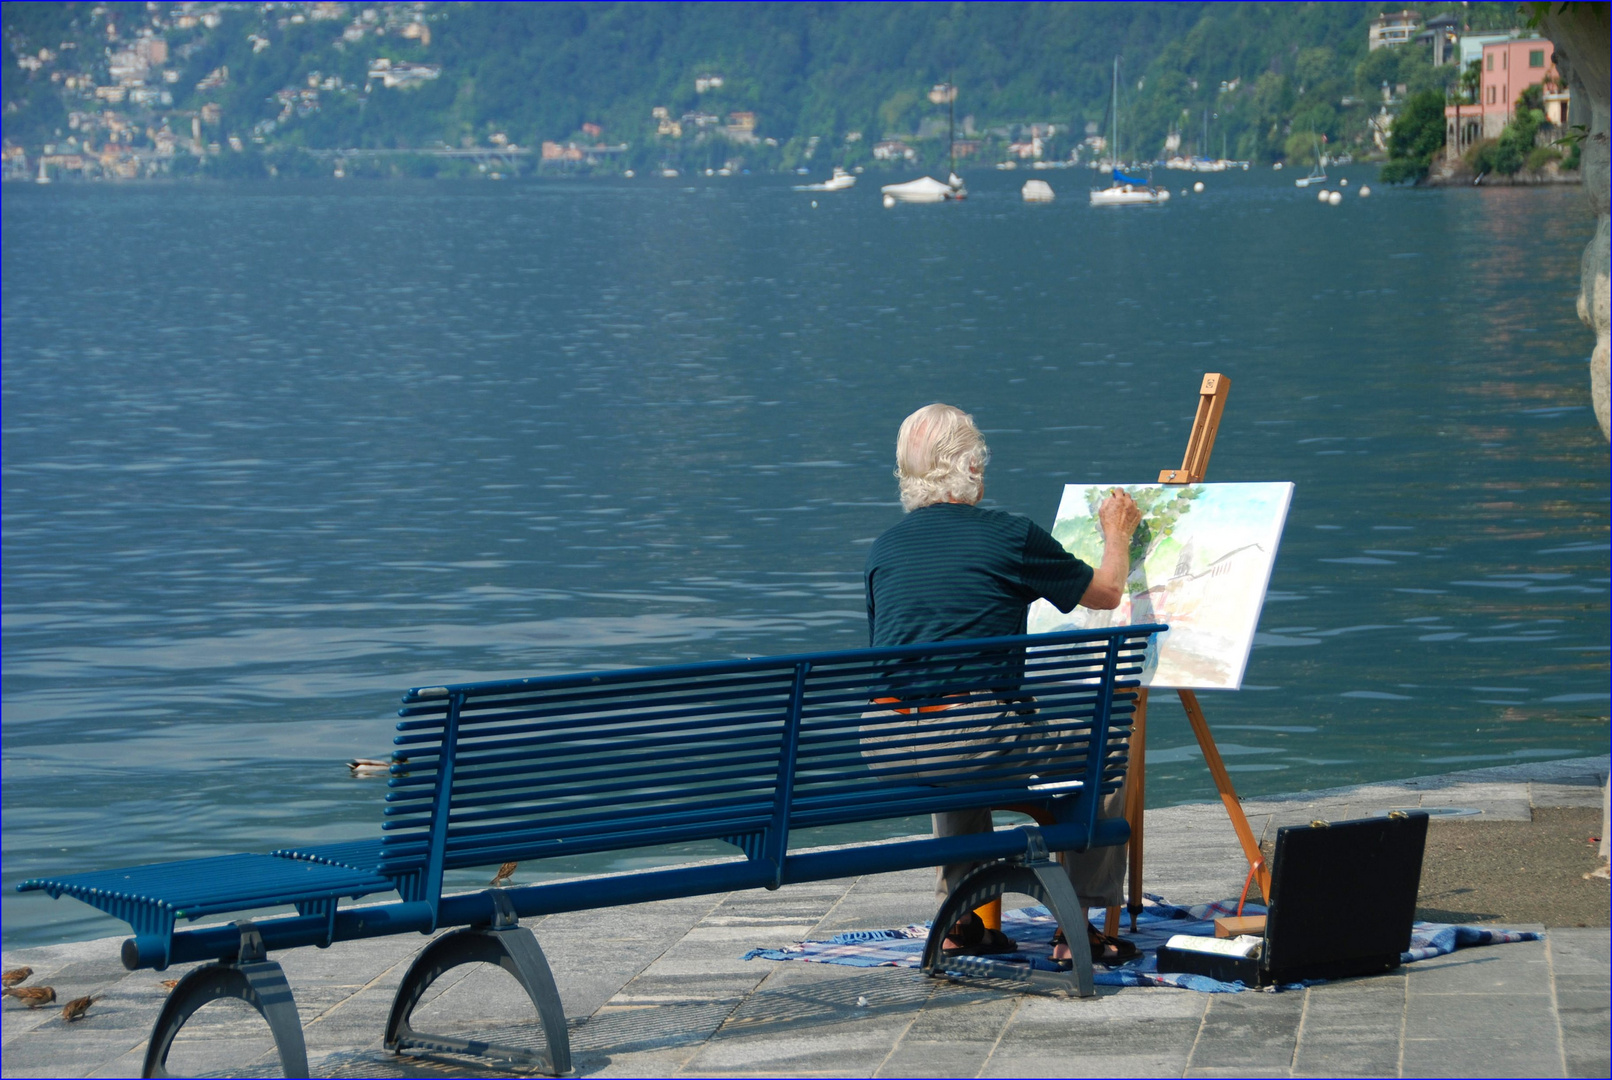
<point>1037,191</point>
<point>840,181</point>
<point>925,189</point>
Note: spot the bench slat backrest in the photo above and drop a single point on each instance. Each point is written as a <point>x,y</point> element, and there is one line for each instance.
<point>967,741</point>
<point>745,751</point>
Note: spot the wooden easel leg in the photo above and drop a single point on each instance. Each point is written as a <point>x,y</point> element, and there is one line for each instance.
<point>1135,803</point>
<point>1228,794</point>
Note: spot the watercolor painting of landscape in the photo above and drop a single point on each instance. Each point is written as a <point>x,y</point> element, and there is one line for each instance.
<point>1200,561</point>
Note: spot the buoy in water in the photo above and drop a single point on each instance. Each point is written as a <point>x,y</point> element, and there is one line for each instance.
<point>1364,191</point>
<point>1343,181</point>
<point>1335,198</point>
<point>889,201</point>
<point>1321,196</point>
<point>1198,186</point>
<point>1277,167</point>
<point>814,204</point>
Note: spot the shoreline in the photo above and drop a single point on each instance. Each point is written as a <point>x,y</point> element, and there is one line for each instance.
<point>1554,770</point>
<point>1448,174</point>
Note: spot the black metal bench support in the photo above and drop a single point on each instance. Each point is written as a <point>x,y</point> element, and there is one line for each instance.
<point>513,948</point>
<point>1035,874</point>
<point>250,977</point>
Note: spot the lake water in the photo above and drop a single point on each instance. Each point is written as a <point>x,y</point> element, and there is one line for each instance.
<point>273,454</point>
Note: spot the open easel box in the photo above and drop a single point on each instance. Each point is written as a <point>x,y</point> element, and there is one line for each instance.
<point>1342,900</point>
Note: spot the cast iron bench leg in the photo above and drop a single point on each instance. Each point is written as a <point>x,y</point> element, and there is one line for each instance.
<point>513,948</point>
<point>1034,874</point>
<point>252,978</point>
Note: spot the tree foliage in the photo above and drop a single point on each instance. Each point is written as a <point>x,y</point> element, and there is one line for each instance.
<point>1417,135</point>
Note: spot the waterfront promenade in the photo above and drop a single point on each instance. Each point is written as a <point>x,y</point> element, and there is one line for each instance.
<point>660,989</point>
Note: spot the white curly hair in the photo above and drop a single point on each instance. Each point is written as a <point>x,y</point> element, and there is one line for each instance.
<point>940,457</point>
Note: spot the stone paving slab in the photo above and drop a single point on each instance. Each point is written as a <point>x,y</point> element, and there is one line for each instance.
<point>659,989</point>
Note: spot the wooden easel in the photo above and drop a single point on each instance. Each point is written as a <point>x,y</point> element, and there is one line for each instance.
<point>1211,403</point>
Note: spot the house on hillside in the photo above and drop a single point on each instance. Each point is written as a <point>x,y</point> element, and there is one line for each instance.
<point>1394,28</point>
<point>1443,33</point>
<point>1509,66</point>
<point>401,75</point>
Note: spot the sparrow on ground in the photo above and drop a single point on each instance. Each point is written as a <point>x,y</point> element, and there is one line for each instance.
<point>75,1009</point>
<point>16,976</point>
<point>505,872</point>
<point>31,996</point>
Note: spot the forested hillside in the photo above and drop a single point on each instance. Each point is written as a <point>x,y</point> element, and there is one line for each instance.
<point>278,77</point>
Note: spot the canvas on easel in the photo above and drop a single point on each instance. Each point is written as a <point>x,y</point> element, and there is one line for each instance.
<point>1168,512</point>
<point>1200,562</point>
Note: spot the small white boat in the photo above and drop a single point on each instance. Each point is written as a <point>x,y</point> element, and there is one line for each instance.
<point>1124,190</point>
<point>925,189</point>
<point>1318,175</point>
<point>1037,191</point>
<point>1130,195</point>
<point>840,181</point>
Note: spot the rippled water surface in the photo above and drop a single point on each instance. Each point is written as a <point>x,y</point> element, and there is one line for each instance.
<point>274,454</point>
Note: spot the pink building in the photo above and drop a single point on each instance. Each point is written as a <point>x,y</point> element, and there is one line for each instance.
<point>1509,68</point>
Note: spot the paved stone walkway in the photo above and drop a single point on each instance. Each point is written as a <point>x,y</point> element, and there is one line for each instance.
<point>659,989</point>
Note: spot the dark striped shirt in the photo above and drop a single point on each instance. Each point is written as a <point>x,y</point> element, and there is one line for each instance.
<point>950,571</point>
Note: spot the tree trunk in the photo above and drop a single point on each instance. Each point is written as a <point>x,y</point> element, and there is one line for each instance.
<point>1580,33</point>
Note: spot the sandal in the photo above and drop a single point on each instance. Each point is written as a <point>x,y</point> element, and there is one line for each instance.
<point>1106,950</point>
<point>970,936</point>
<point>1110,950</point>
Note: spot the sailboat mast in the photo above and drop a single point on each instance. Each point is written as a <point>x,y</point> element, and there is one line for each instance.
<point>1113,121</point>
<point>951,129</point>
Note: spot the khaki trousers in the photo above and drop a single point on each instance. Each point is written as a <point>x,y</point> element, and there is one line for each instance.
<point>1098,875</point>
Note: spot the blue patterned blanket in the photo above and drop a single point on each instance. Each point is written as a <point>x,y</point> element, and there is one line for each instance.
<point>1033,927</point>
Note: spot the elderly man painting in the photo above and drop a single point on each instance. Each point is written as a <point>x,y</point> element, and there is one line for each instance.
<point>951,570</point>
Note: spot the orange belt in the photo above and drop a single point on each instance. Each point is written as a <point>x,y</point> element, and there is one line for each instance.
<point>921,708</point>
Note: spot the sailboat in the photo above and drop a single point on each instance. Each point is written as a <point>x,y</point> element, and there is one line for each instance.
<point>1318,175</point>
<point>927,189</point>
<point>1124,190</point>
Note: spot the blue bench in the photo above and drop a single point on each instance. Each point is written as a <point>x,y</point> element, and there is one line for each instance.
<point>749,752</point>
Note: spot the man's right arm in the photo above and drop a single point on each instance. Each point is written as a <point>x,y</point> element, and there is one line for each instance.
<point>1119,518</point>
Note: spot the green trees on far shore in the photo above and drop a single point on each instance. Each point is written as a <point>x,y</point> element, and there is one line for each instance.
<point>818,84</point>
<point>1418,134</point>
